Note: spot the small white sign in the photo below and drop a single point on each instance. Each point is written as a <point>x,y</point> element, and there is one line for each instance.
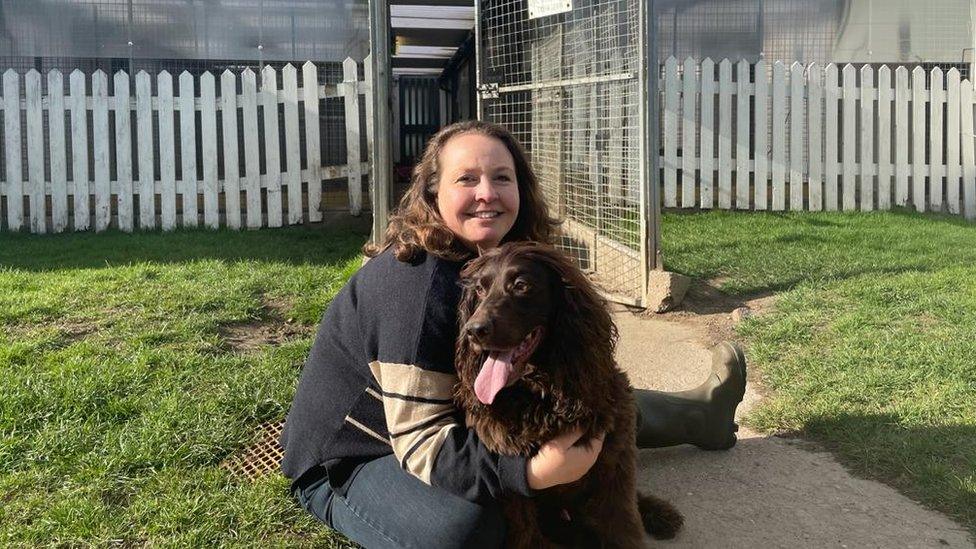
<point>542,8</point>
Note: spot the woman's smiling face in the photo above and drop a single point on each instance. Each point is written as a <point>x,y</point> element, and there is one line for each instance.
<point>477,193</point>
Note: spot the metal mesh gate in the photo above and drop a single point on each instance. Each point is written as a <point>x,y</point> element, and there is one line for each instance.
<point>570,87</point>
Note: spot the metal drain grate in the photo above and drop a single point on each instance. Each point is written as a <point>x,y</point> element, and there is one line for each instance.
<point>260,458</point>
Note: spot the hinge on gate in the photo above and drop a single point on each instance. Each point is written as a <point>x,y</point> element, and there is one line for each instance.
<point>488,91</point>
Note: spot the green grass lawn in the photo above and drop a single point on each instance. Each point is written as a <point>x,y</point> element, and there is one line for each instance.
<point>119,397</point>
<point>871,348</point>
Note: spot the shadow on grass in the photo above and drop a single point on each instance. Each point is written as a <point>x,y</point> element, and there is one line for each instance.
<point>741,290</point>
<point>292,245</point>
<point>935,464</point>
<point>933,217</point>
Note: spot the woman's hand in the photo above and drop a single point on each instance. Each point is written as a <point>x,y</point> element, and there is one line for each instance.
<point>560,462</point>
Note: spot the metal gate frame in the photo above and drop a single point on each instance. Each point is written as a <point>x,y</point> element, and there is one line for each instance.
<point>649,257</point>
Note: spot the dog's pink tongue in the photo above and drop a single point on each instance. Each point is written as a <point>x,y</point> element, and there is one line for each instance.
<point>493,376</point>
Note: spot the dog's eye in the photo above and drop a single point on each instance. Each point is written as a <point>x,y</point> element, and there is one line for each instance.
<point>520,286</point>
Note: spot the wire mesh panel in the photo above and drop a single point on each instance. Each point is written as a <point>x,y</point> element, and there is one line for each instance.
<point>569,87</point>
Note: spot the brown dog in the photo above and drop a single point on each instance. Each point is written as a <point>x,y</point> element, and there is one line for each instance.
<point>536,359</point>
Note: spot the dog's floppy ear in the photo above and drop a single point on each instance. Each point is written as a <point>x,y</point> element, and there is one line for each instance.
<point>469,297</point>
<point>582,323</point>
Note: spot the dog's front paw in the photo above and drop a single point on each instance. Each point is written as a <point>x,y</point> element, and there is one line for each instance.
<point>661,519</point>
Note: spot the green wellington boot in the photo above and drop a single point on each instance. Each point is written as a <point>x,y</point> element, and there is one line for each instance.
<point>703,416</point>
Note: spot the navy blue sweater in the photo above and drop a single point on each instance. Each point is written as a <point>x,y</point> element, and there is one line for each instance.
<point>380,379</point>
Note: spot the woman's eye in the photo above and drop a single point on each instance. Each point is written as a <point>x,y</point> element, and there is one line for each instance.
<point>480,291</point>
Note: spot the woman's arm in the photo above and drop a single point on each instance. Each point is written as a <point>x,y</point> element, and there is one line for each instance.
<point>561,461</point>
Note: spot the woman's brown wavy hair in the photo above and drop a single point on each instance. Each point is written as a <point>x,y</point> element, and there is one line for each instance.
<point>417,226</point>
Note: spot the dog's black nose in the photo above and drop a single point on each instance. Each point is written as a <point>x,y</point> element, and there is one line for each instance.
<point>479,329</point>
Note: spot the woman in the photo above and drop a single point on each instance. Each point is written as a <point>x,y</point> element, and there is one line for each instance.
<point>373,443</point>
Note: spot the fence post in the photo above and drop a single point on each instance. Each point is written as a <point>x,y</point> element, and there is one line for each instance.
<point>952,140</point>
<point>761,128</point>
<point>670,132</point>
<point>35,150</point>
<point>779,136</point>
<point>123,152</point>
<point>208,148</point>
<point>59,161</point>
<point>742,130</point>
<point>11,134</point>
<point>670,136</point>
<point>815,147</point>
<point>272,160</point>
<point>797,93</point>
<point>351,93</point>
<point>796,136</point>
<point>725,134</point>
<point>688,133</point>
<point>188,151</point>
<point>252,165</point>
<point>884,138</point>
<point>232,159</point>
<point>167,151</point>
<point>849,143</point>
<point>919,97</point>
<point>79,150</point>
<point>936,167</point>
<point>867,138</point>
<point>144,135</point>
<point>831,138</point>
<point>103,192</point>
<point>293,159</point>
<point>902,133</point>
<point>313,152</point>
<point>707,153</point>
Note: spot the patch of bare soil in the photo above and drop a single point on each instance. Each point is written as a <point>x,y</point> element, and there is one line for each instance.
<point>75,331</point>
<point>273,327</point>
<point>716,312</point>
<point>69,331</point>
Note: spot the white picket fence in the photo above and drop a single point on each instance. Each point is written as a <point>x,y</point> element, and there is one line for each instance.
<point>833,141</point>
<point>43,204</point>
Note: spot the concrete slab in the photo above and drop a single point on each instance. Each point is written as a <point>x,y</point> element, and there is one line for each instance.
<point>766,491</point>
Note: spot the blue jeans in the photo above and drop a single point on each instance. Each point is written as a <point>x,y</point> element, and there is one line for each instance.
<point>385,506</point>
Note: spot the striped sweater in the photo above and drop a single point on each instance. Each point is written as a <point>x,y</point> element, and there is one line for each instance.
<point>380,379</point>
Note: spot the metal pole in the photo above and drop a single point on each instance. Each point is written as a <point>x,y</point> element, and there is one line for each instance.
<point>650,184</point>
<point>477,58</point>
<point>654,219</point>
<point>379,45</point>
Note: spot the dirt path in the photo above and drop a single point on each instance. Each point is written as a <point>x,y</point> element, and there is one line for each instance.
<point>767,491</point>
